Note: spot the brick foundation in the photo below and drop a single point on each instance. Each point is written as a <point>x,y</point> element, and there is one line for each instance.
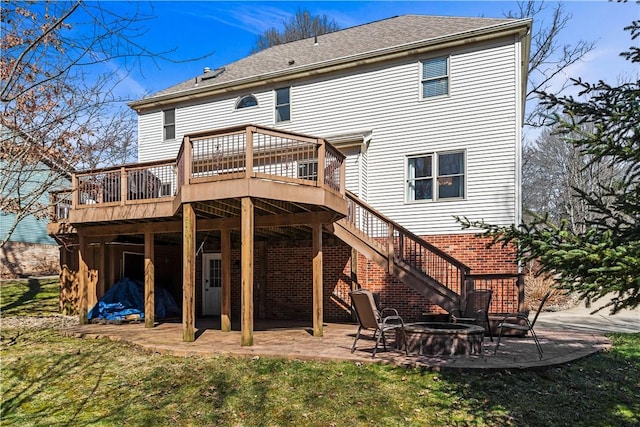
<point>283,276</point>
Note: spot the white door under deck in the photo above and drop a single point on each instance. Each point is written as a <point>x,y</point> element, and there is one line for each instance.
<point>211,284</point>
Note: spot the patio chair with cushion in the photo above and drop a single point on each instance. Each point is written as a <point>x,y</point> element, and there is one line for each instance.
<point>475,309</point>
<point>379,321</point>
<point>520,322</point>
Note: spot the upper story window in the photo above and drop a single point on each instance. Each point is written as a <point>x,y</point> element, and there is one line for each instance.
<point>435,77</point>
<point>283,104</point>
<point>246,102</point>
<point>169,120</point>
<point>435,176</point>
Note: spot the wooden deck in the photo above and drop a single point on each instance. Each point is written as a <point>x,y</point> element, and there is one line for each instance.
<point>291,176</point>
<point>250,178</point>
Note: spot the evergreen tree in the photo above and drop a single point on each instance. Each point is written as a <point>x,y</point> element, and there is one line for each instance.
<point>603,256</point>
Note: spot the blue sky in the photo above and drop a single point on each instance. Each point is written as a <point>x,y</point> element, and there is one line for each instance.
<point>230,28</point>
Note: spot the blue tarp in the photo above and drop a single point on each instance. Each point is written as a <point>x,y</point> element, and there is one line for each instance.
<point>126,297</point>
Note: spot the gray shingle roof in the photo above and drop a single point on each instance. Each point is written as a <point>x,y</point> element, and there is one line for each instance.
<point>362,40</point>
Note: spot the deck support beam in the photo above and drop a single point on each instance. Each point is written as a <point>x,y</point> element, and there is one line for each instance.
<point>225,248</point>
<point>83,280</point>
<point>149,280</point>
<point>317,280</point>
<point>102,271</point>
<point>188,272</point>
<point>247,232</point>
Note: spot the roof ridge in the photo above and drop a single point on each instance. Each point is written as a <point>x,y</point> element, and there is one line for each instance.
<point>370,38</point>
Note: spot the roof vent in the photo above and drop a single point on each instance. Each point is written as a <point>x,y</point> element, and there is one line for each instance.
<point>291,62</point>
<point>315,40</point>
<point>208,74</point>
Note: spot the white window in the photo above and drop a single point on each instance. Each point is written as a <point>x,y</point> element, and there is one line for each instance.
<point>435,77</point>
<point>435,176</point>
<point>283,104</point>
<point>247,101</point>
<point>169,119</point>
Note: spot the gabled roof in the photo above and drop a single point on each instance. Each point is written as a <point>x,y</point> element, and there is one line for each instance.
<point>326,52</point>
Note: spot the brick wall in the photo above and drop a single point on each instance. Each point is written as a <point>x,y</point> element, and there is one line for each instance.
<point>28,259</point>
<point>283,276</point>
<point>469,249</point>
<point>473,251</point>
<point>283,280</point>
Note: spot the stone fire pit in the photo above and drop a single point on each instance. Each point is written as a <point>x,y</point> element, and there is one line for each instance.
<point>441,339</point>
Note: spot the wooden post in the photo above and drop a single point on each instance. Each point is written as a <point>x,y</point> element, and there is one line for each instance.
<point>343,173</point>
<point>520,284</point>
<point>247,271</point>
<point>188,272</point>
<point>123,186</point>
<point>149,280</point>
<point>102,270</point>
<point>75,192</point>
<point>225,246</point>
<point>188,160</point>
<point>322,158</point>
<point>354,269</point>
<point>390,249</point>
<point>92,276</point>
<point>317,280</point>
<point>249,151</point>
<point>354,279</point>
<point>83,279</point>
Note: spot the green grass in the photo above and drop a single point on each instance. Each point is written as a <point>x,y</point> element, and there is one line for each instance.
<point>29,297</point>
<point>47,379</point>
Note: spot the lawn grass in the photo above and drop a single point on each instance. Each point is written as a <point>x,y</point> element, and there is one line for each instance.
<point>29,297</point>
<point>47,379</point>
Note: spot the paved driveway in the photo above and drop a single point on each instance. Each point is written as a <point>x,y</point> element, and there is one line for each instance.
<point>580,319</point>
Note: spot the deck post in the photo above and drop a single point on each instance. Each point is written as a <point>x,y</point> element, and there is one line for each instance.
<point>225,246</point>
<point>322,158</point>
<point>124,186</point>
<point>102,262</point>
<point>317,280</point>
<point>188,272</point>
<point>75,192</point>
<point>188,160</point>
<point>149,280</point>
<point>247,271</point>
<point>83,281</point>
<point>249,151</point>
<point>343,171</point>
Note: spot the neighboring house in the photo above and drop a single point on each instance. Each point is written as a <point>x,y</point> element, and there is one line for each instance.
<point>427,112</point>
<point>28,249</point>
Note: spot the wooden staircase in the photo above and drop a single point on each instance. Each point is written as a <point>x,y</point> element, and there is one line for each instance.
<point>417,263</point>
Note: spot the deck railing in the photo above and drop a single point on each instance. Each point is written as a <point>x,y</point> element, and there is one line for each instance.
<point>257,152</point>
<point>125,184</point>
<point>60,203</point>
<point>240,152</point>
<point>405,248</point>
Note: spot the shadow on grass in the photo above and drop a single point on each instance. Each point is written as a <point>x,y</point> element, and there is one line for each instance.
<point>33,288</point>
<point>601,389</point>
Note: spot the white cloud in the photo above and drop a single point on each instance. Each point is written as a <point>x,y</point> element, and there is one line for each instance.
<point>243,16</point>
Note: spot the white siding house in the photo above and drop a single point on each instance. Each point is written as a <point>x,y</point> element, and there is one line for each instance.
<point>431,124</point>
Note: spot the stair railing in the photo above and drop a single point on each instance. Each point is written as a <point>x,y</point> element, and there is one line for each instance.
<point>405,249</point>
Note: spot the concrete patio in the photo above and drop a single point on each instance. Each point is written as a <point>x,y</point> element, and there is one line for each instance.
<point>277,339</point>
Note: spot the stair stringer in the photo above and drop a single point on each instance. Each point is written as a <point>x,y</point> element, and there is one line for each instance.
<point>425,285</point>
